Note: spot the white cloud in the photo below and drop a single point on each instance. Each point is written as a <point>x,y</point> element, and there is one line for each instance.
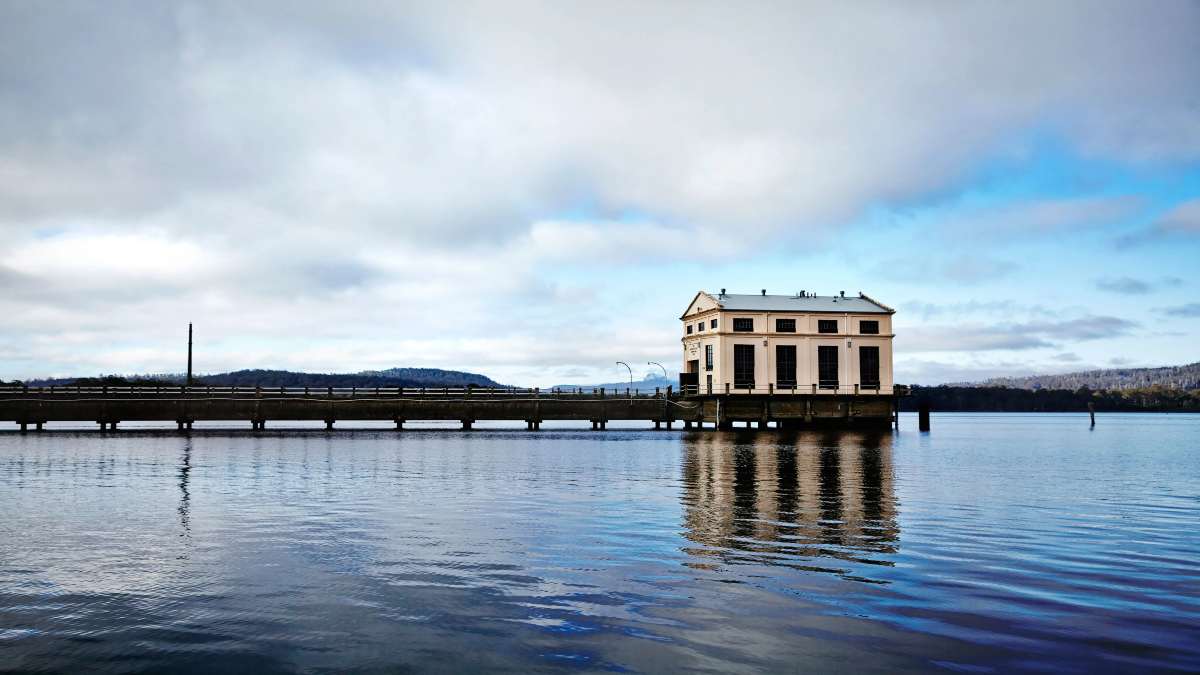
<point>110,258</point>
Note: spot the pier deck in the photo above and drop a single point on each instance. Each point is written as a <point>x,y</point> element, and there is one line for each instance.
<point>33,407</point>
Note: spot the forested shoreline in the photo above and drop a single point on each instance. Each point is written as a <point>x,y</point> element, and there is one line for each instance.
<point>947,398</point>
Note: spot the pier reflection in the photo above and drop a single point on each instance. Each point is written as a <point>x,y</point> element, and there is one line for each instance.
<point>185,496</point>
<point>816,501</point>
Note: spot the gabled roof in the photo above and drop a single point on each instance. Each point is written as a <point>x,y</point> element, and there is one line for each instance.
<point>861,304</point>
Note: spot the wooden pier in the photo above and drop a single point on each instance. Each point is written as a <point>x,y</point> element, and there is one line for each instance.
<point>31,408</point>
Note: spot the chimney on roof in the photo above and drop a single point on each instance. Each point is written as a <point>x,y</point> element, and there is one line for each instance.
<point>764,291</point>
<point>722,291</point>
<point>843,294</point>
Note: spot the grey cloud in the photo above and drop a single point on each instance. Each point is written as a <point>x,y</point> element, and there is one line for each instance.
<point>966,339</point>
<point>1043,217</point>
<point>1084,328</point>
<point>991,308</point>
<point>1189,310</point>
<point>1016,336</point>
<point>964,269</point>
<point>1125,285</point>
<point>934,372</point>
<point>1182,220</point>
<point>1133,286</point>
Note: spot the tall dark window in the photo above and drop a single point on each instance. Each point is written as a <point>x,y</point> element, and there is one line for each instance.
<point>689,329</point>
<point>868,367</point>
<point>785,366</point>
<point>743,325</point>
<point>743,366</point>
<point>827,326</point>
<point>785,325</point>
<point>708,360</point>
<point>868,327</point>
<point>700,327</point>
<point>827,367</point>
<point>712,324</point>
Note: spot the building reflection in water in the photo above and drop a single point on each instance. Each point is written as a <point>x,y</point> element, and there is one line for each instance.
<point>815,501</point>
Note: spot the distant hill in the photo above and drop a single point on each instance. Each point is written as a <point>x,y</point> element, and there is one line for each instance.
<point>392,377</point>
<point>1172,377</point>
<point>646,384</point>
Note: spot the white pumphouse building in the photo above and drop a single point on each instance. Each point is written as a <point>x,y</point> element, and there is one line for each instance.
<point>802,343</point>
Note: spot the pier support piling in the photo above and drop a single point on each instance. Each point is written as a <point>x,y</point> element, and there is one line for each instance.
<point>329,425</point>
<point>923,416</point>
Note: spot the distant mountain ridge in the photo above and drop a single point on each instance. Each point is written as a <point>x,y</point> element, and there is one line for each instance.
<point>1172,377</point>
<point>392,377</point>
<point>646,384</point>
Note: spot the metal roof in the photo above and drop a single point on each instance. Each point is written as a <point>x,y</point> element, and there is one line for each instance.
<point>791,303</point>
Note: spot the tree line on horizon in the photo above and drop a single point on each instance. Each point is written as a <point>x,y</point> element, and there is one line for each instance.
<point>954,398</point>
<point>1172,377</point>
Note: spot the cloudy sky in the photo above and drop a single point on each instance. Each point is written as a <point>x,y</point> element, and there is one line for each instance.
<point>535,190</point>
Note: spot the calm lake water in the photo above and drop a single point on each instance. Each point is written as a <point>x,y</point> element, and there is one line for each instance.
<point>995,543</point>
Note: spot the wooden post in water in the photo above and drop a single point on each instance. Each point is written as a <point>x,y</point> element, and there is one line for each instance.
<point>923,416</point>
<point>1092,412</point>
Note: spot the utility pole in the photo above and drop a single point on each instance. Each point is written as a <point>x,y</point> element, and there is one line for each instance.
<point>189,373</point>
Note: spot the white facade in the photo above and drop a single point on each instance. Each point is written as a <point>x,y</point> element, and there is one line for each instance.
<point>839,344</point>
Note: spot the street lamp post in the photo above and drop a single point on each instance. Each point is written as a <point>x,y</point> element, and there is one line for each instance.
<point>622,363</point>
<point>664,368</point>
